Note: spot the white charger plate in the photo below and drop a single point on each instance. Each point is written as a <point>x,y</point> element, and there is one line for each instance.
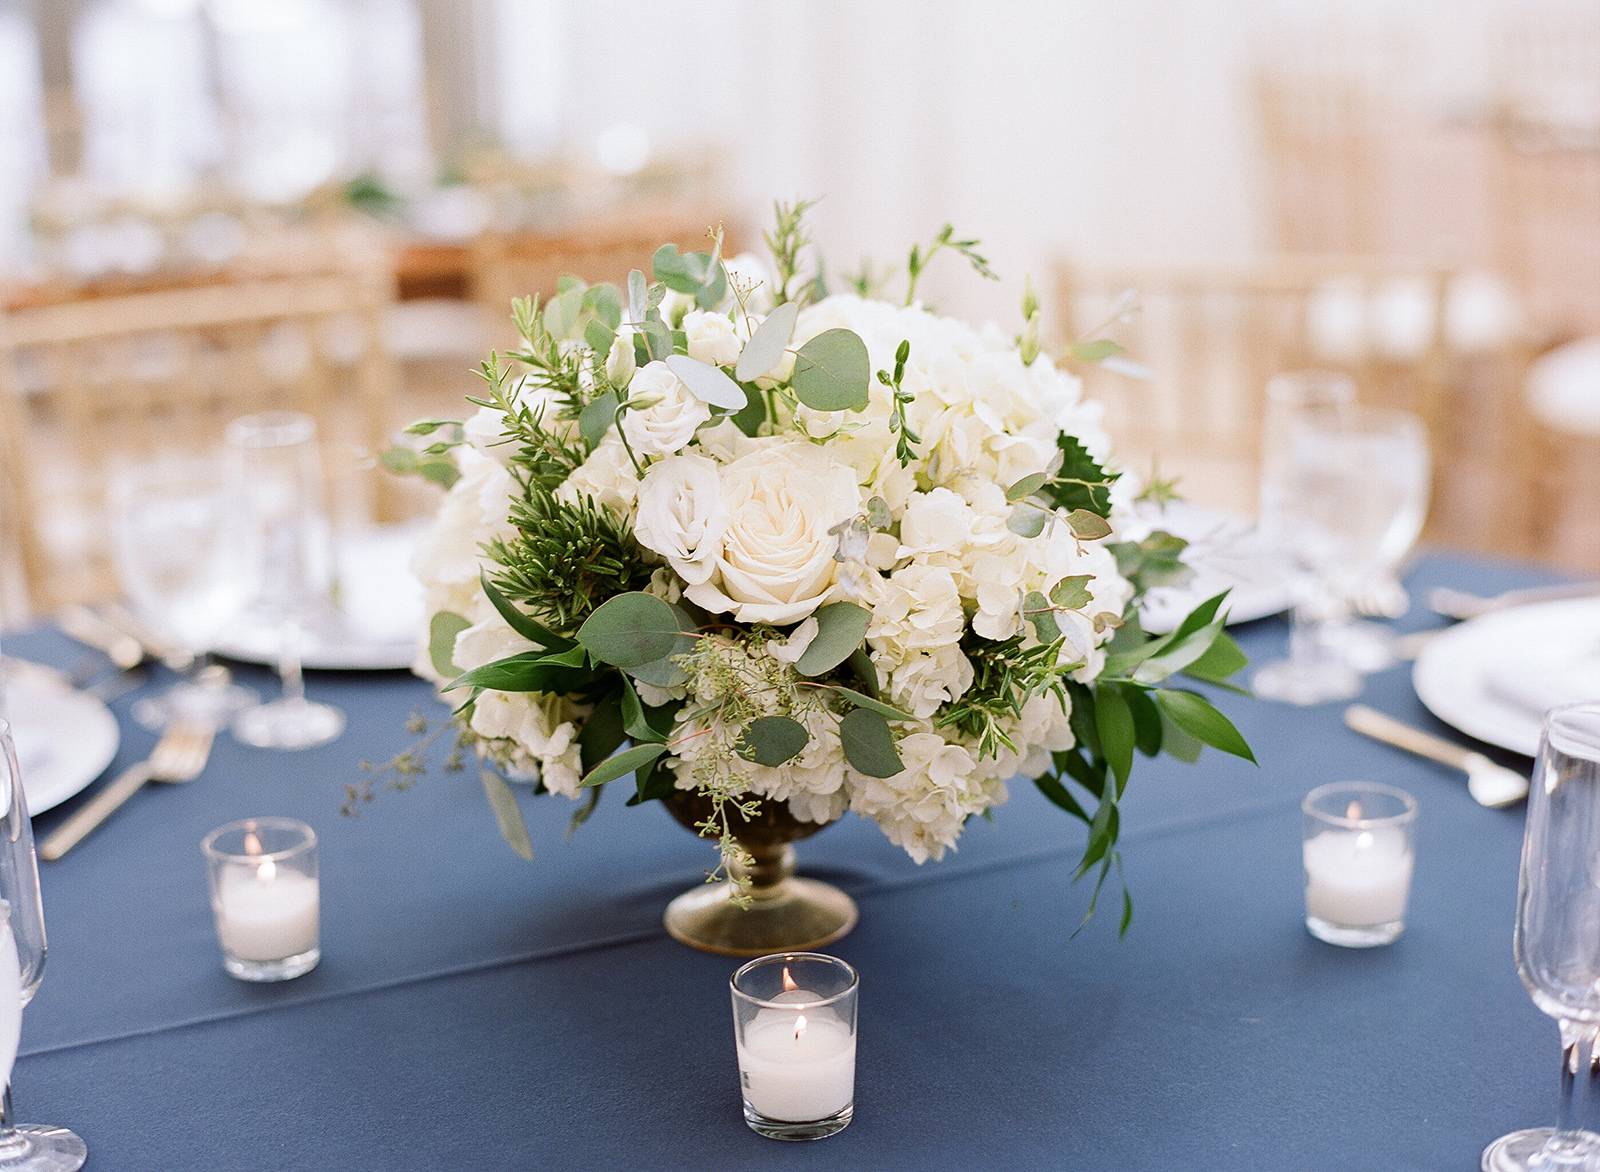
<point>65,738</point>
<point>1227,553</point>
<point>376,624</point>
<point>1490,677</point>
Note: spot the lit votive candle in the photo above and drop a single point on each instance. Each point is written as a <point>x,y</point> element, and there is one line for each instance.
<point>1358,853</point>
<point>265,897</point>
<point>794,1022</point>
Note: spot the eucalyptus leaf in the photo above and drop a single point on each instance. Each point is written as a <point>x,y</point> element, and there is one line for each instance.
<point>1036,609</point>
<point>507,813</point>
<point>765,348</point>
<point>1088,526</point>
<point>841,626</point>
<point>1072,592</point>
<point>772,740</point>
<point>666,672</point>
<point>831,372</point>
<point>622,764</point>
<point>442,631</point>
<point>709,384</point>
<point>868,743</point>
<point>1026,487</point>
<point>636,296</point>
<point>1027,521</point>
<point>630,630</point>
<point>597,417</point>
<point>561,313</point>
<point>599,336</point>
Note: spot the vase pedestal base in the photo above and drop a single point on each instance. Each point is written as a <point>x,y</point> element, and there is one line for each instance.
<point>797,915</point>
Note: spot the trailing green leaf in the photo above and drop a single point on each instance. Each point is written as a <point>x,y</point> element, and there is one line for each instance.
<point>507,813</point>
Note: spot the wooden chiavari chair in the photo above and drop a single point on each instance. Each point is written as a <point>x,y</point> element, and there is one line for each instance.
<point>508,265</point>
<point>85,385</point>
<point>1211,337</point>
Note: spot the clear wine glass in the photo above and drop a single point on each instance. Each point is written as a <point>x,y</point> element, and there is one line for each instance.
<point>31,1147</point>
<point>175,539</point>
<point>290,557</point>
<point>1347,492</point>
<point>1558,907</point>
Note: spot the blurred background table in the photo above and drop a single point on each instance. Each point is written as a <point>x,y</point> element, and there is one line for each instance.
<point>475,1010</point>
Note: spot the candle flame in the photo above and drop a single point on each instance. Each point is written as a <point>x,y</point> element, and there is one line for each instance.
<point>799,1026</point>
<point>252,844</point>
<point>1363,840</point>
<point>267,871</point>
<point>789,985</point>
<point>1353,810</point>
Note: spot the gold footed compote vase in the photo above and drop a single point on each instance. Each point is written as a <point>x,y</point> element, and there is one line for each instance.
<point>785,914</point>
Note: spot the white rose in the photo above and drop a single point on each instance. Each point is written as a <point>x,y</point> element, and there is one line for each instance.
<point>607,476</point>
<point>667,415</point>
<point>776,563</point>
<point>681,515</point>
<point>712,338</point>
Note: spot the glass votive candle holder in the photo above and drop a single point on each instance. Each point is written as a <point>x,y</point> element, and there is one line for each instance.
<point>1358,853</point>
<point>794,1027</point>
<point>265,897</point>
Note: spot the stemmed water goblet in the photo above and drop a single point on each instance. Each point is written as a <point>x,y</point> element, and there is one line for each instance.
<point>175,542</point>
<point>1557,940</point>
<point>31,1147</point>
<point>289,564</point>
<point>1344,492</point>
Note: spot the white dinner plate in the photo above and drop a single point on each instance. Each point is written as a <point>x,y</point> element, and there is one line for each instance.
<point>65,738</point>
<point>1494,676</point>
<point>1227,553</point>
<point>374,626</point>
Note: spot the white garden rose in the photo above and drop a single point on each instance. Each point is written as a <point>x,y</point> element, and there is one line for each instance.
<point>681,515</point>
<point>667,413</point>
<point>776,563</point>
<point>712,338</point>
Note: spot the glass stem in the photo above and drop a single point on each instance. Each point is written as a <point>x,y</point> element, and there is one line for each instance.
<point>1579,1076</point>
<point>12,1141</point>
<point>289,671</point>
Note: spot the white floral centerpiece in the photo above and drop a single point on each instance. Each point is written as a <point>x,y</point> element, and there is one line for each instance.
<point>734,535</point>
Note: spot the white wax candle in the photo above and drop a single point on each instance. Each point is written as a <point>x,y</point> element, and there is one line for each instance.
<point>266,912</point>
<point>1357,878</point>
<point>797,1067</point>
<point>10,1000</point>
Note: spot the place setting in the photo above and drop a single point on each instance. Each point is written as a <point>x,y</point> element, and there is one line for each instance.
<point>542,627</point>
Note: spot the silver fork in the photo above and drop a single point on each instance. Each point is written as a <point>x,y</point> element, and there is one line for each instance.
<point>179,755</point>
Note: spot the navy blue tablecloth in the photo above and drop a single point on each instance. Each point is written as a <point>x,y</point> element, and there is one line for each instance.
<point>473,1010</point>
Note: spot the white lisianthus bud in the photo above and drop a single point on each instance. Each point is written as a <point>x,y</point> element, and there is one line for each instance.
<point>620,363</point>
